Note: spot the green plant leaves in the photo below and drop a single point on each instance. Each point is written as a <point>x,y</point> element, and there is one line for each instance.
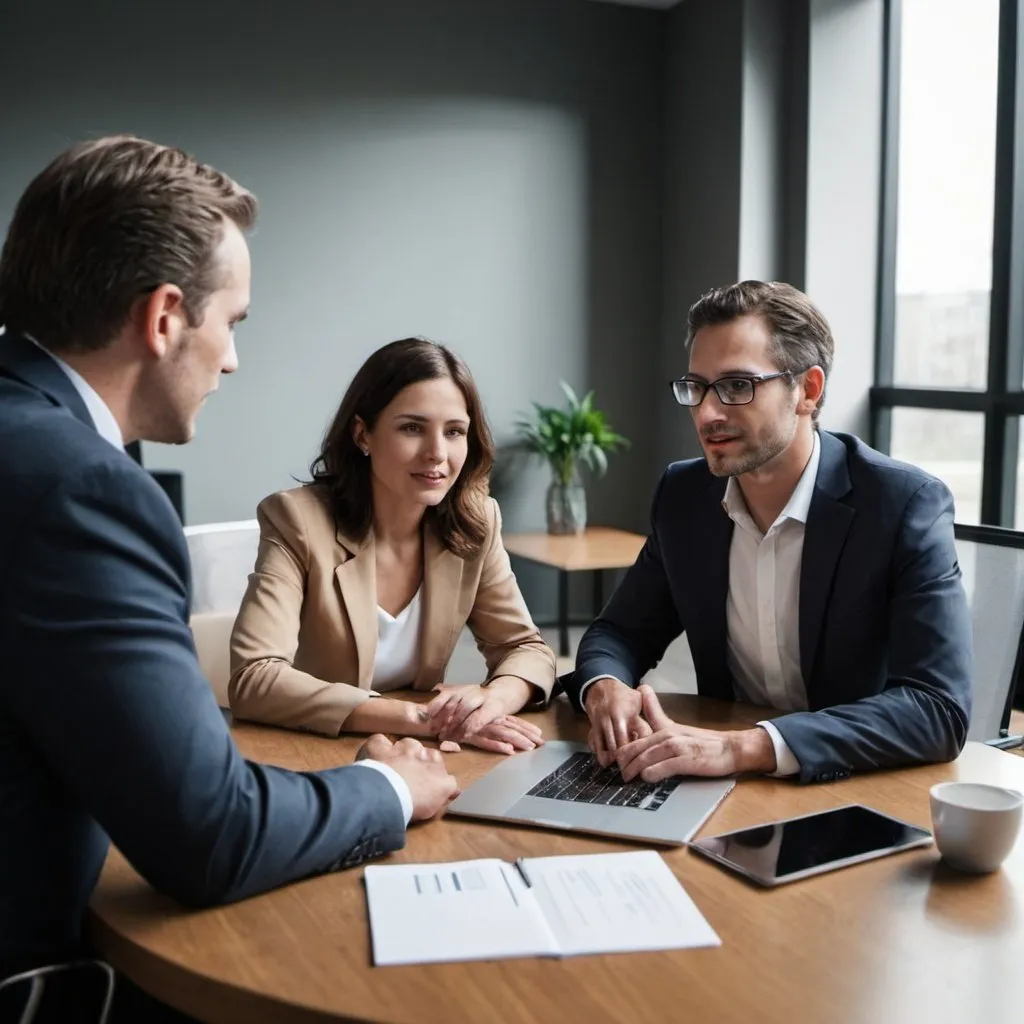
<point>577,434</point>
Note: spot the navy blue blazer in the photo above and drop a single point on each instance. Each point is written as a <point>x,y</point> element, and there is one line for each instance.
<point>107,726</point>
<point>885,631</point>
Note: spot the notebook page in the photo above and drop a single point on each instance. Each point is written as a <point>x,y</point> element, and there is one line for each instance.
<point>616,903</point>
<point>464,910</point>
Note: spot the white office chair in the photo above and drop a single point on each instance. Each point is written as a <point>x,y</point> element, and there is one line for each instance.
<point>992,562</point>
<point>222,556</point>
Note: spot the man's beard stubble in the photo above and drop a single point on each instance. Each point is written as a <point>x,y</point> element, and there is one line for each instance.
<point>748,461</point>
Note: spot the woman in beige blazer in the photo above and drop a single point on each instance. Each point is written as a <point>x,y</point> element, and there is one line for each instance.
<point>366,576</point>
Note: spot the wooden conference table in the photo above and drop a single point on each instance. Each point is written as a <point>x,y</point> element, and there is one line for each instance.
<point>901,939</point>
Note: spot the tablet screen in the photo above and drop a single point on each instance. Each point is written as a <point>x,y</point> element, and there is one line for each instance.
<point>783,851</point>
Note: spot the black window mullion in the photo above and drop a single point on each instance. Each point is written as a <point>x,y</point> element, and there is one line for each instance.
<point>1014,274</point>
<point>1008,234</point>
<point>885,335</point>
<point>935,398</point>
<point>881,427</point>
<point>1008,502</point>
<point>996,483</point>
<point>993,476</point>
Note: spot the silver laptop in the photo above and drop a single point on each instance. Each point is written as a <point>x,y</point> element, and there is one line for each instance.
<point>561,785</point>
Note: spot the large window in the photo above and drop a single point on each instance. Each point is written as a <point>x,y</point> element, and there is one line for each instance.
<point>948,395</point>
<point>948,58</point>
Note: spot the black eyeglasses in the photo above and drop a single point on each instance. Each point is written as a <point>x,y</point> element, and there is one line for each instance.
<point>732,390</point>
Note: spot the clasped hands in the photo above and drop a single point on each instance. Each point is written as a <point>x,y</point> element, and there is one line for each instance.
<point>479,715</point>
<point>629,727</point>
<point>482,716</point>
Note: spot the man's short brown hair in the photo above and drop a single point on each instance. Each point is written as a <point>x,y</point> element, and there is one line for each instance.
<point>801,336</point>
<point>105,223</point>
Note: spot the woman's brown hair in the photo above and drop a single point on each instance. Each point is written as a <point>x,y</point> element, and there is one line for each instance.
<point>343,472</point>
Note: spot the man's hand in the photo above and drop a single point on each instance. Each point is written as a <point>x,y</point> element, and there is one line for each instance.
<point>674,749</point>
<point>614,711</point>
<point>423,770</point>
<point>459,712</point>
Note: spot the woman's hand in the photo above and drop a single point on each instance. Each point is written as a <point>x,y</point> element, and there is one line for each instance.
<point>386,715</point>
<point>458,712</point>
<point>504,735</point>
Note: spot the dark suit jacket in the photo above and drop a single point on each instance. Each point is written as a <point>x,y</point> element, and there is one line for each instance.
<point>885,631</point>
<point>107,726</point>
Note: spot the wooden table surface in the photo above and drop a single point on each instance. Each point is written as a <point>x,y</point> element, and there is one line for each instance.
<point>902,939</point>
<point>598,547</point>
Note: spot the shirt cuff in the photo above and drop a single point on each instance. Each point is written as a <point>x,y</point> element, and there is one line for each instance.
<point>785,760</point>
<point>587,684</point>
<point>399,784</point>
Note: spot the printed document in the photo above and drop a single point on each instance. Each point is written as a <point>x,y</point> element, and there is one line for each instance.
<point>541,906</point>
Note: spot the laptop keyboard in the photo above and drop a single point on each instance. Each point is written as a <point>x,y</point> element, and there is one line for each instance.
<point>581,780</point>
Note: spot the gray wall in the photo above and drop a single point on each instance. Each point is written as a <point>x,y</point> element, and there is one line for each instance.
<point>732,131</point>
<point>486,174</point>
<point>764,140</point>
<point>544,184</point>
<point>703,143</point>
<point>844,192</point>
<point>773,134</point>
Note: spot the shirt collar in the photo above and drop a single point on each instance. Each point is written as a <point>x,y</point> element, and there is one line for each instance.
<point>102,418</point>
<point>799,505</point>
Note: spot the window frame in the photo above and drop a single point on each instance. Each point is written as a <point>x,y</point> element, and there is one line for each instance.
<point>1002,401</point>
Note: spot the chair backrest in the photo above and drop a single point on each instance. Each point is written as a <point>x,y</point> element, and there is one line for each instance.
<point>992,562</point>
<point>222,556</point>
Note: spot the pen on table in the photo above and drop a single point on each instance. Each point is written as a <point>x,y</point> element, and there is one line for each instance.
<point>522,872</point>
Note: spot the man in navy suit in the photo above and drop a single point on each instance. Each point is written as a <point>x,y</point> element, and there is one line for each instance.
<point>809,572</point>
<point>124,273</point>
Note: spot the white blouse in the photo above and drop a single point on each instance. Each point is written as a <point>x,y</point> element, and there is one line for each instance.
<point>398,646</point>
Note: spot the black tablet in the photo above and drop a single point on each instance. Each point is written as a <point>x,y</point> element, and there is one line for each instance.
<point>783,851</point>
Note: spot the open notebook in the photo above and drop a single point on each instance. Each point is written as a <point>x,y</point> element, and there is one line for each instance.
<point>542,906</point>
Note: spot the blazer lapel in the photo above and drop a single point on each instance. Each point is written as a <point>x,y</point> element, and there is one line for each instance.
<point>442,590</point>
<point>828,522</point>
<point>709,583</point>
<point>357,579</point>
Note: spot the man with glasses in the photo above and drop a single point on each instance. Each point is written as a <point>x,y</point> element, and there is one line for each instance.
<point>810,573</point>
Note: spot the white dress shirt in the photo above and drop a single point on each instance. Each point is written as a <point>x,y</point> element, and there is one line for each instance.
<point>763,605</point>
<point>102,418</point>
<point>398,646</point>
<point>107,428</point>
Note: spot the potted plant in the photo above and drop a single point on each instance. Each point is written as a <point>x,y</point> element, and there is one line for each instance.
<point>569,438</point>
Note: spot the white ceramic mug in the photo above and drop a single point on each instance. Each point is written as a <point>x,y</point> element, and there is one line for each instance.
<point>975,824</point>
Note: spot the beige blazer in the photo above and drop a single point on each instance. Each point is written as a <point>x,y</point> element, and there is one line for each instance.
<point>304,643</point>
